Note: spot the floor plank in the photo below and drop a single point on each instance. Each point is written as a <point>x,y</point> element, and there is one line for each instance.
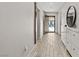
<point>50,46</point>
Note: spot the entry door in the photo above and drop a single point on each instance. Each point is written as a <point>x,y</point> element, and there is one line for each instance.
<point>51,24</point>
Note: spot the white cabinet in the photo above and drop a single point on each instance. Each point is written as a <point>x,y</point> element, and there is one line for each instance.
<point>75,43</point>
<point>72,42</point>
<point>75,39</point>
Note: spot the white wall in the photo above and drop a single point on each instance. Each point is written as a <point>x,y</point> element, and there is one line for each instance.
<point>59,23</point>
<point>37,24</point>
<point>46,20</point>
<point>41,23</point>
<point>41,20</point>
<point>16,28</point>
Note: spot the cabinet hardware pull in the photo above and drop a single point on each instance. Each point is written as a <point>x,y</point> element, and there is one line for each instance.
<point>73,48</point>
<point>73,34</point>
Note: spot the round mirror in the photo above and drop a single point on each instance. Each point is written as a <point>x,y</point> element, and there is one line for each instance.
<point>71,16</point>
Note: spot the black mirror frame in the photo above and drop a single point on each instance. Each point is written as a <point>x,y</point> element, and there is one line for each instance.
<point>74,17</point>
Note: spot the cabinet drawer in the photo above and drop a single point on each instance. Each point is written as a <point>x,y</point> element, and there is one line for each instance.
<point>73,43</point>
<point>74,50</point>
<point>75,39</point>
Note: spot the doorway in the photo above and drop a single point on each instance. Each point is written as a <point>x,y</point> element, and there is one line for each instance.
<point>49,24</point>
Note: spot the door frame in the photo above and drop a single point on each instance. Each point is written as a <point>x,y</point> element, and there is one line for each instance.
<point>34,22</point>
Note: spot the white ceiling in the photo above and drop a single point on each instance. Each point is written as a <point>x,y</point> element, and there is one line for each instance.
<point>50,6</point>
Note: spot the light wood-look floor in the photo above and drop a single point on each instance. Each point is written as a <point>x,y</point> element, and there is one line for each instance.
<point>50,46</point>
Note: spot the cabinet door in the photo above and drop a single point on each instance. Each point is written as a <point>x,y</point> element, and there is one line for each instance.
<point>74,43</point>
<point>75,39</point>
<point>68,44</point>
<point>74,50</point>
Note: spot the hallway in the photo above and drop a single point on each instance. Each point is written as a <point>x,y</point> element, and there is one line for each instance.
<point>39,29</point>
<point>49,46</point>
